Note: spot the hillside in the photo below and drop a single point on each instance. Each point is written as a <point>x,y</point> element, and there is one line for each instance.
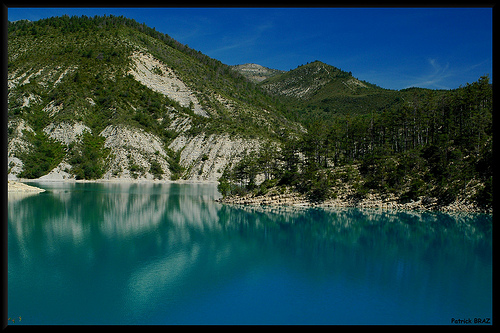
<point>107,97</point>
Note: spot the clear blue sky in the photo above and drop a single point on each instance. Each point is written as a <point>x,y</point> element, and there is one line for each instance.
<point>395,48</point>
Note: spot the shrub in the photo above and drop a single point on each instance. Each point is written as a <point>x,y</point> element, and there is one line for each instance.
<point>88,158</point>
<point>484,196</point>
<point>416,189</point>
<point>156,170</point>
<point>224,187</point>
<point>45,154</point>
<point>173,159</point>
<point>320,187</point>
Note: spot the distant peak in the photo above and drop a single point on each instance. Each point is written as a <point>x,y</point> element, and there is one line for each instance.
<point>255,72</point>
<point>249,65</point>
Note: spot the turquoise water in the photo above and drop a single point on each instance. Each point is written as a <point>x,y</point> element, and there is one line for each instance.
<point>91,253</point>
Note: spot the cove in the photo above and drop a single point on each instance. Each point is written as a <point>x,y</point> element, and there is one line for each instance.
<point>159,253</point>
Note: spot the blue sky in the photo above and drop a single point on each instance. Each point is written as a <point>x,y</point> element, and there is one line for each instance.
<point>395,48</point>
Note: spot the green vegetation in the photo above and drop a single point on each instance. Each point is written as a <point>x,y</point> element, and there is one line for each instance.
<point>88,159</point>
<point>174,165</point>
<point>156,170</point>
<point>44,155</point>
<point>318,90</point>
<point>435,145</point>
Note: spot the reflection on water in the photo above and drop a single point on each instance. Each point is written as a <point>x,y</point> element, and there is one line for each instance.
<point>162,253</point>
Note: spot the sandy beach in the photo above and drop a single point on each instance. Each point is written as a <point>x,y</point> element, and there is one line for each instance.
<point>14,186</point>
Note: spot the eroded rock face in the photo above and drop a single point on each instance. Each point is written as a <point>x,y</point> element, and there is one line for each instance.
<point>132,152</point>
<point>158,77</point>
<point>203,157</point>
<point>59,173</point>
<point>206,156</point>
<point>66,133</point>
<point>17,144</point>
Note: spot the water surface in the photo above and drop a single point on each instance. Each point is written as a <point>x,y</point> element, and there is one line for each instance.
<point>105,253</point>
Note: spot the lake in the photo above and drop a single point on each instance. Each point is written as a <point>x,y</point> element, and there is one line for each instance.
<point>159,253</point>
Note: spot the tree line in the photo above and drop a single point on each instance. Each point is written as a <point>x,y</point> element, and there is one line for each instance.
<point>434,143</point>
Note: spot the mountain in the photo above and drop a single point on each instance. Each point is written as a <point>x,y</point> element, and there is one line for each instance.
<point>107,97</point>
<point>308,80</point>
<point>256,73</point>
<point>317,85</point>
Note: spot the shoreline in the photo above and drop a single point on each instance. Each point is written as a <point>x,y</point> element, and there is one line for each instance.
<point>414,206</point>
<point>294,199</point>
<point>277,199</point>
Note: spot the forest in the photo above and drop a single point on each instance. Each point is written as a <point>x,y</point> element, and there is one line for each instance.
<point>436,144</point>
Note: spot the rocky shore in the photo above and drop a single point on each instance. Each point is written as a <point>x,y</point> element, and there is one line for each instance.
<point>288,197</point>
